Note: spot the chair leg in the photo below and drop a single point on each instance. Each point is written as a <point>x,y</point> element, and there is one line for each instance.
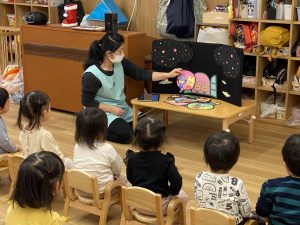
<point>11,189</point>
<point>66,211</point>
<point>103,216</point>
<point>181,216</point>
<point>123,220</point>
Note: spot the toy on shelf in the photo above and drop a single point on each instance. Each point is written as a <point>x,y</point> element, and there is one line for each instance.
<point>296,81</point>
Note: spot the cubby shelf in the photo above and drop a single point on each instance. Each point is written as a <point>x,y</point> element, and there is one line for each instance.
<point>292,98</point>
<point>20,7</point>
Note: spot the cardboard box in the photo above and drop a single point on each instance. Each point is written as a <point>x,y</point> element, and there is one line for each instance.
<point>215,17</point>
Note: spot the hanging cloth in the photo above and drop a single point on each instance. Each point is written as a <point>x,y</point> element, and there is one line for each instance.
<point>181,19</point>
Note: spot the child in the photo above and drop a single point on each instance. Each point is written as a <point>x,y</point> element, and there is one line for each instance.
<point>6,144</point>
<point>92,153</point>
<point>216,189</point>
<point>150,168</point>
<point>35,109</point>
<point>39,177</point>
<point>279,199</point>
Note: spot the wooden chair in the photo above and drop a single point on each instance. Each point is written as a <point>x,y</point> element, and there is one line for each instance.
<point>3,169</point>
<point>10,48</point>
<point>144,199</point>
<point>78,180</point>
<point>203,216</point>
<point>14,162</point>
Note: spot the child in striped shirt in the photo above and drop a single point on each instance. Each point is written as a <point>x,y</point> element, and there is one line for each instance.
<point>279,199</point>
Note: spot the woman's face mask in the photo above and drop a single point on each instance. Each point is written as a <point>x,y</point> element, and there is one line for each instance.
<point>117,57</point>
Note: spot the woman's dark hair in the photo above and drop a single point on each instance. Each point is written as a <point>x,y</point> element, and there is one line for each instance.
<point>91,126</point>
<point>221,151</point>
<point>37,175</point>
<point>150,134</point>
<point>109,42</point>
<point>291,154</point>
<point>31,107</point>
<point>3,97</point>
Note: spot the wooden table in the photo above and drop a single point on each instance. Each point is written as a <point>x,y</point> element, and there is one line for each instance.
<point>226,112</point>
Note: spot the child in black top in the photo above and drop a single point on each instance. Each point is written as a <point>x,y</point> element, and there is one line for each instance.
<point>150,168</point>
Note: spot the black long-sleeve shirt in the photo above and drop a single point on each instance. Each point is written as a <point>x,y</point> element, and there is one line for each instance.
<point>91,84</point>
<point>154,171</point>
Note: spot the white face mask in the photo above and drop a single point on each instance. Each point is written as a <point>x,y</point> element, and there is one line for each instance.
<point>117,58</point>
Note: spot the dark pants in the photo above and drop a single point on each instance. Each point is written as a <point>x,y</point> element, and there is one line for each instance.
<point>120,131</point>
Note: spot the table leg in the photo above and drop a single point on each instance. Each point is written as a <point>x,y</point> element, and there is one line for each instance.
<point>251,129</point>
<point>165,116</point>
<point>225,125</point>
<point>134,116</point>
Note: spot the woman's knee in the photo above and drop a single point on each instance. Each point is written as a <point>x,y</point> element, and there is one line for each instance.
<point>120,131</point>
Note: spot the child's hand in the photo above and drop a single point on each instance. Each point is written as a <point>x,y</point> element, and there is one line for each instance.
<point>18,148</point>
<point>117,111</point>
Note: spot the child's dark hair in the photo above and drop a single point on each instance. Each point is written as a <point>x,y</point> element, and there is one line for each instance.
<point>291,154</point>
<point>37,175</point>
<point>91,126</point>
<point>221,151</point>
<point>109,42</point>
<point>3,97</point>
<point>150,134</point>
<point>31,107</point>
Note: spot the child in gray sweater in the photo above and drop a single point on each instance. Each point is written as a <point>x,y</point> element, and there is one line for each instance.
<point>6,144</point>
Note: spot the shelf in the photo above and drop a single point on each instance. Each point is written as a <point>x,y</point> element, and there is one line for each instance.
<point>22,4</point>
<point>294,92</point>
<point>295,58</point>
<point>7,3</point>
<point>39,5</point>
<point>249,54</point>
<point>213,24</point>
<point>245,20</point>
<point>278,57</point>
<point>271,121</point>
<point>278,90</point>
<point>251,86</point>
<point>277,21</point>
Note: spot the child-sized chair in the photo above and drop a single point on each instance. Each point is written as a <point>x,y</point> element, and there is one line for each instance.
<point>143,199</point>
<point>203,216</point>
<point>78,181</point>
<point>14,162</point>
<point>3,166</point>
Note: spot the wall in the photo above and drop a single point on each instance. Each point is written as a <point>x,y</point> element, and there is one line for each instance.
<point>144,18</point>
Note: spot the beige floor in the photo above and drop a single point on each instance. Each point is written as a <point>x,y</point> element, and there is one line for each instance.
<point>186,134</point>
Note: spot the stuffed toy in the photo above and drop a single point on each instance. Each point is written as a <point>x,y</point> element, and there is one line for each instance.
<point>9,73</point>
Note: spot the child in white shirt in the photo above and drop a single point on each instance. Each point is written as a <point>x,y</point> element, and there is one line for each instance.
<point>216,189</point>
<point>35,109</point>
<point>92,154</point>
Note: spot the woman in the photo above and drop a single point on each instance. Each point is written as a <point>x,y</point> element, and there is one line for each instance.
<point>103,84</point>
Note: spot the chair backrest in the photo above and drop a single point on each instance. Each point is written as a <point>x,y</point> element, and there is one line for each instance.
<point>10,48</point>
<point>14,162</point>
<point>202,216</point>
<point>141,198</point>
<point>79,180</point>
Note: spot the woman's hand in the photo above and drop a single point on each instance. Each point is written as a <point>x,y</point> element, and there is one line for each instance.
<point>174,73</point>
<point>117,111</point>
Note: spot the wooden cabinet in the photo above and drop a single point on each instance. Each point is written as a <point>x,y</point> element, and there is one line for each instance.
<point>13,11</point>
<point>261,92</point>
<point>53,57</point>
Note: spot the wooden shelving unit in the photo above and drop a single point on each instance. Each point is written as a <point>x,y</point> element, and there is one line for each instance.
<point>292,98</point>
<point>20,7</point>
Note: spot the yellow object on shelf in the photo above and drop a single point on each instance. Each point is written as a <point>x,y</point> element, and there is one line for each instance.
<point>216,17</point>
